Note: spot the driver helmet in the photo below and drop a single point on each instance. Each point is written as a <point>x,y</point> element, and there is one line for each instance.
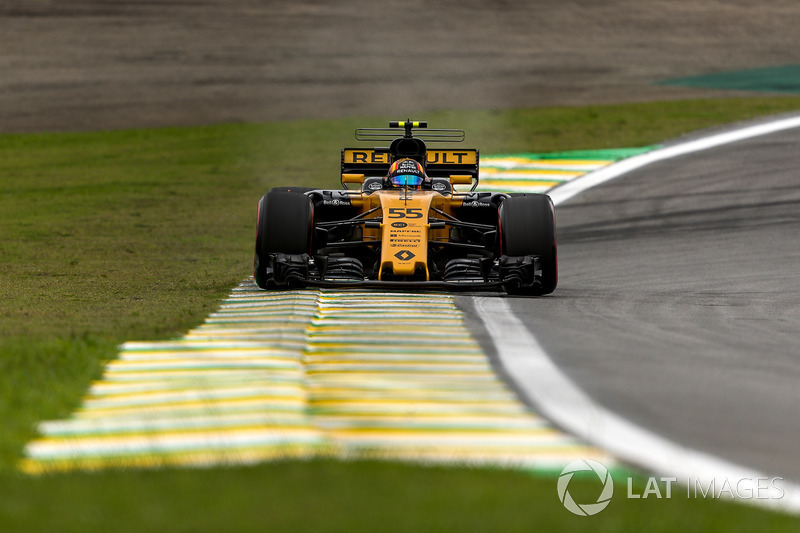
<point>406,173</point>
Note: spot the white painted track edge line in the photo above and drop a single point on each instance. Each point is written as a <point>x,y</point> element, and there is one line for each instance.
<point>565,404</point>
<point>558,399</point>
<point>572,188</point>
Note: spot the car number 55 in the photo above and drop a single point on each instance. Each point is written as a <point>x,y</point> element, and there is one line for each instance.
<point>405,212</point>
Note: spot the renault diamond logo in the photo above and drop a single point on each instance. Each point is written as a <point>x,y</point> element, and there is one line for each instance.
<point>404,255</point>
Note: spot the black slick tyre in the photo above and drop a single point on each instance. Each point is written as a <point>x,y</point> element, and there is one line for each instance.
<point>528,227</point>
<point>283,225</point>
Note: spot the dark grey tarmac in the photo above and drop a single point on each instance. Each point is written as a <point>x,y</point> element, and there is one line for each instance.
<point>678,305</point>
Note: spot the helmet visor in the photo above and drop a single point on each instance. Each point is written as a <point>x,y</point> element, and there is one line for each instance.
<point>406,180</point>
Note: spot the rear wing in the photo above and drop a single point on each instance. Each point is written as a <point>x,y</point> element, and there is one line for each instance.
<point>372,162</point>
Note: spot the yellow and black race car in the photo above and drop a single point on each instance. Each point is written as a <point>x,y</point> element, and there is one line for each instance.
<point>405,224</point>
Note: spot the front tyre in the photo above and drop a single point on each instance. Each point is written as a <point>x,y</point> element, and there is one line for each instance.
<point>528,227</point>
<point>283,226</point>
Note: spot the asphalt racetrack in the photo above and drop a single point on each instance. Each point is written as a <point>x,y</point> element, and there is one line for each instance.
<point>678,305</point>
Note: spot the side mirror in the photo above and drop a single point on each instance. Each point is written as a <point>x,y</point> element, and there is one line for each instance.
<point>460,179</point>
<point>353,178</point>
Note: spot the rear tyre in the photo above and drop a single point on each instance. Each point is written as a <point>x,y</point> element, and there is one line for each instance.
<point>283,226</point>
<point>528,227</point>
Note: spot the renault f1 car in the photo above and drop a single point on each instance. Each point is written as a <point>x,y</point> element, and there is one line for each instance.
<point>406,224</point>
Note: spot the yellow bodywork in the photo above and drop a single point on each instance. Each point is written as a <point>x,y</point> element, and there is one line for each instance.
<point>405,230</point>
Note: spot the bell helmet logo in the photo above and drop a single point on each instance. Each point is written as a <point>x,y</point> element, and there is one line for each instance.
<point>591,508</point>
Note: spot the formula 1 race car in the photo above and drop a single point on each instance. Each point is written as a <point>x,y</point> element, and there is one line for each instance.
<point>406,225</point>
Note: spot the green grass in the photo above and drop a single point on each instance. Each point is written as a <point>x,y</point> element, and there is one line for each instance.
<point>332,496</point>
<point>114,236</point>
